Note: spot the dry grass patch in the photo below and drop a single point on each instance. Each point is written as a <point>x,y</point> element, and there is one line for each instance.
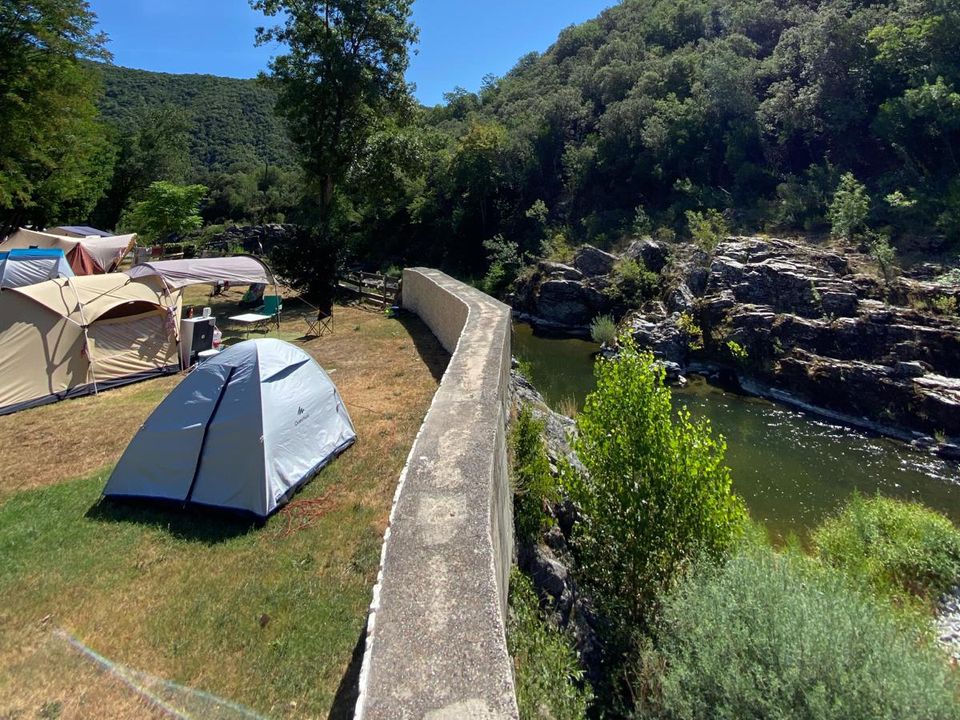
<point>73,438</point>
<point>269,617</point>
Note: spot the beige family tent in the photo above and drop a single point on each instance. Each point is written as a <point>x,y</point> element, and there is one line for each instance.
<point>87,255</point>
<point>74,336</point>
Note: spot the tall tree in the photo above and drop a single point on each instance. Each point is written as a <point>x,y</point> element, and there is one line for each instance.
<point>54,154</point>
<point>342,74</point>
<point>166,210</point>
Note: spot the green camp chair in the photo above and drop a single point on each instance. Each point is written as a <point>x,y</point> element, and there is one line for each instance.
<point>272,306</point>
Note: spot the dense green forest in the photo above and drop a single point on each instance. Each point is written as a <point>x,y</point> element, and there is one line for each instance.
<point>220,132</point>
<point>752,107</point>
<point>231,122</point>
<point>741,113</point>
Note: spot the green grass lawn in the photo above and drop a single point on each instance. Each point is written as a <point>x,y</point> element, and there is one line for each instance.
<point>266,616</point>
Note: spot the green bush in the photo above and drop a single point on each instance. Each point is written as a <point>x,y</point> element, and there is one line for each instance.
<point>944,305</point>
<point>707,228</point>
<point>737,351</point>
<point>656,492</point>
<point>850,206</point>
<point>603,330</point>
<point>631,284</point>
<point>533,483</point>
<point>884,255</point>
<point>694,333</point>
<point>549,681</point>
<point>505,265</point>
<point>782,636</point>
<point>894,547</point>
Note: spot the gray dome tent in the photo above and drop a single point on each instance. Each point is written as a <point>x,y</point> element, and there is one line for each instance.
<point>242,432</point>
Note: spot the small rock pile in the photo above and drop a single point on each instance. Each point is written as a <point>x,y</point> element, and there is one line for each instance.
<point>254,239</point>
<point>947,623</point>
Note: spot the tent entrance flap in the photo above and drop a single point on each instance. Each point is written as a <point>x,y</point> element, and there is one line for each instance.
<point>206,433</point>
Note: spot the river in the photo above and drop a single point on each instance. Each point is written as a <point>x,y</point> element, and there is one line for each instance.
<point>792,468</point>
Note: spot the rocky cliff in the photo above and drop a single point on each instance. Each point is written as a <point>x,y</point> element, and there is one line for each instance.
<point>813,326</point>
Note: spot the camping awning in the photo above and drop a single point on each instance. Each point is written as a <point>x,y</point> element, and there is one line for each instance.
<point>239,270</point>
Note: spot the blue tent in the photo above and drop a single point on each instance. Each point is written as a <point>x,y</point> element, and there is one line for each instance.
<point>19,268</point>
<point>80,231</point>
<point>242,432</point>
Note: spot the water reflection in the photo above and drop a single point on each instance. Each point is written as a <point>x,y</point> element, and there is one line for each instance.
<point>791,468</point>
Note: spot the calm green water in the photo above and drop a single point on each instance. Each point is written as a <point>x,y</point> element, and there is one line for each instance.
<point>791,468</point>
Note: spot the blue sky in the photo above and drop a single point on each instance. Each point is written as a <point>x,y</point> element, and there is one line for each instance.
<point>460,42</point>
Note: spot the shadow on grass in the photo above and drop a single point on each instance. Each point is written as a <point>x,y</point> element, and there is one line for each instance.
<point>202,525</point>
<point>429,348</point>
<point>345,701</point>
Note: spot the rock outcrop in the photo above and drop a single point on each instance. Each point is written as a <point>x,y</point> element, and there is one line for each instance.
<point>813,329</point>
<point>808,325</point>
<point>565,299</point>
<point>254,239</point>
<point>547,561</point>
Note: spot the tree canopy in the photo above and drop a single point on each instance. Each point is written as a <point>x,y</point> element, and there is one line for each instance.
<point>668,110</point>
<point>54,153</point>
<point>342,74</point>
<point>166,209</point>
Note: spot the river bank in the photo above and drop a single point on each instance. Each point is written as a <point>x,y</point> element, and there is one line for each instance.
<point>833,572</point>
<point>810,325</point>
<point>792,468</point>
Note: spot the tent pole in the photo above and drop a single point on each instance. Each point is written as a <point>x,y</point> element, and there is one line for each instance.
<point>86,337</point>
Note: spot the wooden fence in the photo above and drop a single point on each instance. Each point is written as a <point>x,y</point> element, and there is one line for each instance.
<point>372,289</point>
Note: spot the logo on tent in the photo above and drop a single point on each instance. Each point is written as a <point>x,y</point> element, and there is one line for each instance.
<point>301,418</point>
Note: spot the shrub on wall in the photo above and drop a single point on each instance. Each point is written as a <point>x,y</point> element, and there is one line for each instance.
<point>533,484</point>
<point>656,492</point>
<point>892,546</point>
<point>548,679</point>
<point>782,636</point>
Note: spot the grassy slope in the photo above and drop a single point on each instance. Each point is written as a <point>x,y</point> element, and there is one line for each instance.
<point>267,617</point>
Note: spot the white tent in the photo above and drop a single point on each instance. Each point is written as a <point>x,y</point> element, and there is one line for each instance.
<point>242,432</point>
<point>19,268</point>
<point>87,256</point>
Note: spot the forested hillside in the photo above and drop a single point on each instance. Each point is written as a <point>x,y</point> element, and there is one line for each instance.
<point>755,108</point>
<point>231,122</point>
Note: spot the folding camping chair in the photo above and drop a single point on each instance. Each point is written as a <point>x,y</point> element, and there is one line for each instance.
<point>272,307</point>
<point>320,324</point>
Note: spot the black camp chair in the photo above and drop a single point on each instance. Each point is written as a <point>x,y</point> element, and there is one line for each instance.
<point>322,323</point>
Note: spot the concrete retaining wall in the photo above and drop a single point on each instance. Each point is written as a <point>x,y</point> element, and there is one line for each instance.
<point>436,644</point>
